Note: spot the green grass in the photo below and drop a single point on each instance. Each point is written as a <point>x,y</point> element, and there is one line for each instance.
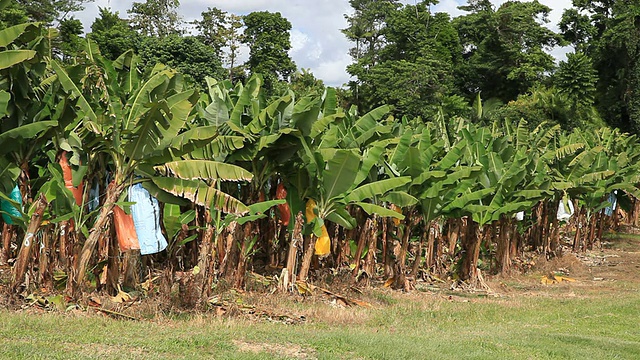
<point>417,326</point>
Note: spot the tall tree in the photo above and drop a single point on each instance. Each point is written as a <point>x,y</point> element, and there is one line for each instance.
<point>366,30</point>
<point>69,42</point>
<point>408,57</point>
<point>13,14</point>
<point>156,17</point>
<point>504,49</point>
<point>184,53</point>
<point>609,33</point>
<point>222,31</point>
<point>48,11</point>
<point>113,35</point>
<point>269,41</point>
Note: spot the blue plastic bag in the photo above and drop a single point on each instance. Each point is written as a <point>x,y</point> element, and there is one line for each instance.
<point>146,218</point>
<point>613,200</point>
<point>94,197</point>
<point>8,210</point>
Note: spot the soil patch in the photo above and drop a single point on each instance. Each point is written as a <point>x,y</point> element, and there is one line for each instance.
<point>285,350</point>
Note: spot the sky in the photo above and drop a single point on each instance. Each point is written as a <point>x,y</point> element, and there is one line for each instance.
<point>317,43</point>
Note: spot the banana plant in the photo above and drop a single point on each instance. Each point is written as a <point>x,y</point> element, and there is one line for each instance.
<point>138,123</point>
<point>26,112</point>
<point>337,178</point>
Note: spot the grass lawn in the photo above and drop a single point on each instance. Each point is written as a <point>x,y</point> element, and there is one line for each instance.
<point>415,326</point>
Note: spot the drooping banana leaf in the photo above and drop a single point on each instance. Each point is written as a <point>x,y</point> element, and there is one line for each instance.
<point>200,193</point>
<point>204,170</point>
<point>9,58</point>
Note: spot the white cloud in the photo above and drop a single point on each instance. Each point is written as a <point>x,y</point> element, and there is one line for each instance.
<point>317,42</point>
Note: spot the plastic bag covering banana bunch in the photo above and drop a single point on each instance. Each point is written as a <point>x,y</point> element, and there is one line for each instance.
<point>397,209</point>
<point>283,209</point>
<point>146,218</point>
<point>323,244</point>
<point>8,210</point>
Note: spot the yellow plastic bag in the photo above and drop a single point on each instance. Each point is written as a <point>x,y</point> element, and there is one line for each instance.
<point>323,244</point>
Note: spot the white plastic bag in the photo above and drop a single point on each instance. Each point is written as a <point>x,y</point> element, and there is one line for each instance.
<point>563,214</point>
<point>520,216</point>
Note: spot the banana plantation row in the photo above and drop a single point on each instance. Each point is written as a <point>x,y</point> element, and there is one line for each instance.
<point>99,159</point>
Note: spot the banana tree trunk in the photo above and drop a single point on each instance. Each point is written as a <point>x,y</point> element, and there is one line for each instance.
<point>24,255</point>
<point>7,234</point>
<point>577,240</point>
<point>101,225</point>
<point>244,256</point>
<point>400,267</point>
<point>292,256</point>
<point>306,258</point>
<point>204,258</point>
<point>503,250</point>
<point>230,252</point>
<point>635,218</point>
<point>471,252</point>
<point>386,258</point>
<point>362,240</point>
<point>44,263</point>
<point>427,233</point>
<point>370,260</point>
<point>432,248</point>
<point>24,183</point>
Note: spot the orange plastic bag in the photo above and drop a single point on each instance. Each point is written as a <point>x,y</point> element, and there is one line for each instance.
<point>68,179</point>
<point>397,209</point>
<point>283,209</point>
<point>125,230</point>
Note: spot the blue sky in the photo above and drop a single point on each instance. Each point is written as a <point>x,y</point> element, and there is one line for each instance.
<point>317,42</point>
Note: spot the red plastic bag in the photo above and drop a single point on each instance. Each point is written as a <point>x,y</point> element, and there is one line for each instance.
<point>125,230</point>
<point>68,179</point>
<point>283,209</point>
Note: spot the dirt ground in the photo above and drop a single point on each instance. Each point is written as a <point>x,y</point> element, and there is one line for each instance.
<point>614,267</point>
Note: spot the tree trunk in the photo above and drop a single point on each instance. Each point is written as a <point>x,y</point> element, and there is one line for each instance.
<point>503,251</point>
<point>471,248</point>
<point>577,240</point>
<point>130,271</point>
<point>306,258</point>
<point>204,258</point>
<point>244,256</point>
<point>418,257</point>
<point>454,235</point>
<point>44,265</point>
<point>231,252</point>
<point>99,227</point>
<point>362,240</point>
<point>63,239</point>
<point>113,263</point>
<point>292,256</point>
<point>370,260</point>
<point>7,234</point>
<point>430,255</point>
<point>20,267</point>
<point>386,259</point>
<point>400,266</point>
